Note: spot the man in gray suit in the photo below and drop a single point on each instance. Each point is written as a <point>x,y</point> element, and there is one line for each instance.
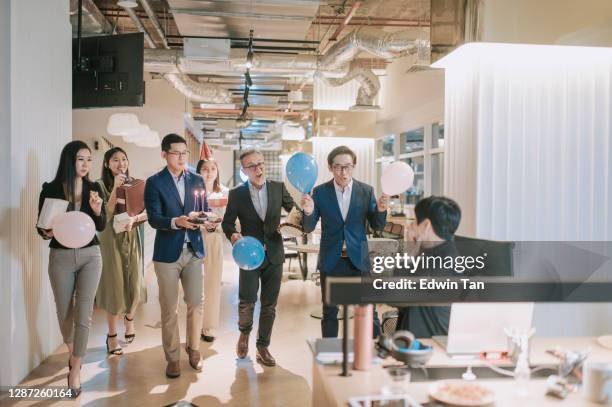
<point>257,205</point>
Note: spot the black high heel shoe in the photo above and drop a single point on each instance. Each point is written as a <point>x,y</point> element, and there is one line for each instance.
<point>117,351</point>
<point>74,391</point>
<point>129,338</point>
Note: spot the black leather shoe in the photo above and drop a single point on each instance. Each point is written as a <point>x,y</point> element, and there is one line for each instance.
<point>207,338</point>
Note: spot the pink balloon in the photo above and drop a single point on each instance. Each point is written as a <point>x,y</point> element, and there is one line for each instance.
<point>73,229</point>
<point>396,178</point>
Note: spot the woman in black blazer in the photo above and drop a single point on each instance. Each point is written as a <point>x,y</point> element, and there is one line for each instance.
<point>74,272</point>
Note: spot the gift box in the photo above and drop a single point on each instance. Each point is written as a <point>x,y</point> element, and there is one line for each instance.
<point>123,220</point>
<point>50,209</point>
<point>130,197</point>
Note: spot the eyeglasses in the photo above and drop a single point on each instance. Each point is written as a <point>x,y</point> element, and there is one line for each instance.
<point>341,168</point>
<point>255,166</point>
<point>179,153</point>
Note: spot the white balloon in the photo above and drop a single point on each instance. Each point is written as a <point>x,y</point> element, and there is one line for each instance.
<point>73,229</point>
<point>397,178</point>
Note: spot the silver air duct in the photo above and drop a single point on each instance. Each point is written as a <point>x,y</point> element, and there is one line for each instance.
<point>198,92</point>
<point>336,63</point>
<point>370,85</point>
<point>373,41</point>
<point>162,60</point>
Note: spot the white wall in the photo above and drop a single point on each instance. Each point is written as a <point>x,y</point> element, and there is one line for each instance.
<point>35,119</point>
<point>409,100</point>
<point>541,21</point>
<point>163,112</point>
<point>225,158</point>
<point>351,124</point>
<point>5,202</point>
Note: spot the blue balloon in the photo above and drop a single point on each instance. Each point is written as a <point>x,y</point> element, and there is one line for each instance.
<point>248,253</point>
<point>302,172</point>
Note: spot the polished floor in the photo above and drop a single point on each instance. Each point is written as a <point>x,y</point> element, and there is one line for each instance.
<point>137,377</point>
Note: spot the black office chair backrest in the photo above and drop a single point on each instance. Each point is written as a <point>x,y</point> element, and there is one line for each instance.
<point>498,261</point>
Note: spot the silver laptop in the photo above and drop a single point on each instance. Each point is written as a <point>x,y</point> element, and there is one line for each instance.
<point>479,327</point>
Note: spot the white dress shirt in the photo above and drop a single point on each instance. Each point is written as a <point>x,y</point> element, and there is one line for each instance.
<point>179,182</point>
<point>260,199</point>
<point>344,201</point>
<point>344,197</point>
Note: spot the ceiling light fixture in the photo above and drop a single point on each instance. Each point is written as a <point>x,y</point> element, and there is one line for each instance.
<point>127,4</point>
<point>247,79</point>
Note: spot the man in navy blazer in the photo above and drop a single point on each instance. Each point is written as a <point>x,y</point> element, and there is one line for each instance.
<point>170,196</point>
<point>344,205</point>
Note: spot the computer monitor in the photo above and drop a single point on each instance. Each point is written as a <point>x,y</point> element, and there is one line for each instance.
<point>479,327</point>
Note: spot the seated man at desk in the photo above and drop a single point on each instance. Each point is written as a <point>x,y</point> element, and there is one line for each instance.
<point>344,205</point>
<point>433,234</point>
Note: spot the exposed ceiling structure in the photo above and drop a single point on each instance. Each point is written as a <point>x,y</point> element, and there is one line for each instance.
<point>249,68</point>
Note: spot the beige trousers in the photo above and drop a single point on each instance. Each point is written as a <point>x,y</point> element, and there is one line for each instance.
<point>187,269</point>
<point>213,269</point>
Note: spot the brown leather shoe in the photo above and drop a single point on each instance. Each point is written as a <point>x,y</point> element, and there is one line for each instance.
<point>264,357</point>
<point>173,369</point>
<point>242,347</point>
<point>195,359</point>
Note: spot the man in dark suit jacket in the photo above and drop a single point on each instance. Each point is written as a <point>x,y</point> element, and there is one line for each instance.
<point>344,205</point>
<point>178,250</point>
<point>257,205</point>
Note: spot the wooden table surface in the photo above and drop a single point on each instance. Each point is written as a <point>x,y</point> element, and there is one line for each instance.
<point>330,389</point>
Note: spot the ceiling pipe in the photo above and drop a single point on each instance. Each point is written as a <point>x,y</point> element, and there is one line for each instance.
<point>153,18</point>
<point>244,39</point>
<point>346,20</point>
<point>94,14</point>
<point>141,27</point>
<point>250,16</point>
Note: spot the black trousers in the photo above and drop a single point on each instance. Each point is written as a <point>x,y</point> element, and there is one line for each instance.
<point>329,321</point>
<point>270,276</point>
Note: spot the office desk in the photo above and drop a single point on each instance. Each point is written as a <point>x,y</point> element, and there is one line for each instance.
<point>331,390</point>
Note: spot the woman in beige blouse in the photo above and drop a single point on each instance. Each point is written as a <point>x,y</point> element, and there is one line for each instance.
<point>213,242</point>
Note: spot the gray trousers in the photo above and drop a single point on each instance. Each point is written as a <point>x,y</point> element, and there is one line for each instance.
<point>74,276</point>
<point>187,269</point>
